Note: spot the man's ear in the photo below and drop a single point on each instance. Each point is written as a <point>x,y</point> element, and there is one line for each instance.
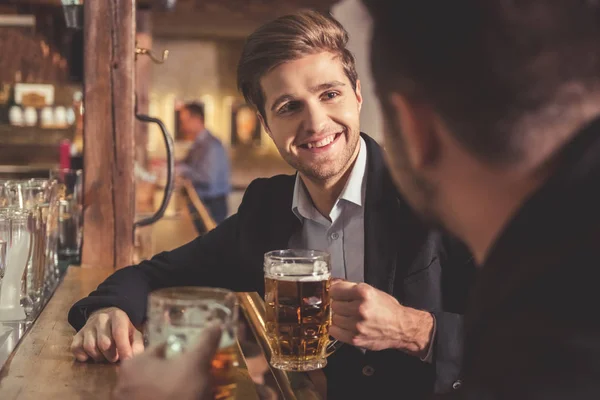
<point>264,124</point>
<point>417,126</point>
<point>358,94</point>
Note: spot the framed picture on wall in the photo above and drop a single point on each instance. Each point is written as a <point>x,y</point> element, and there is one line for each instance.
<point>245,126</point>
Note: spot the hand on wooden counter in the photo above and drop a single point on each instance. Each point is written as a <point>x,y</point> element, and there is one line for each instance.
<point>150,376</point>
<point>108,335</point>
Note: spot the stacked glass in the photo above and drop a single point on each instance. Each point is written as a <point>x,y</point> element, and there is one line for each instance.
<point>31,206</point>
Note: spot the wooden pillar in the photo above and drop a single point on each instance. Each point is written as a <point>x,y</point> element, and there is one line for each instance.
<point>109,47</point>
<point>143,79</point>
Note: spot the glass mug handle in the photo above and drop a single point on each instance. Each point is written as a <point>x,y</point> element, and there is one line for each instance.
<point>332,346</point>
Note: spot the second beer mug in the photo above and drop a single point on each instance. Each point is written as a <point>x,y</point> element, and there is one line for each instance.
<point>177,316</point>
<point>298,309</point>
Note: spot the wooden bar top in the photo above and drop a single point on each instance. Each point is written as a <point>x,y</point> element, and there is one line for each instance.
<point>42,366</point>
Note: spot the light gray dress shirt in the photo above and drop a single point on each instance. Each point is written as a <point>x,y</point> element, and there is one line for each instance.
<point>343,234</point>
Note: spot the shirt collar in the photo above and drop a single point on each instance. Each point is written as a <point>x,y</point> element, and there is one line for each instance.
<point>353,192</point>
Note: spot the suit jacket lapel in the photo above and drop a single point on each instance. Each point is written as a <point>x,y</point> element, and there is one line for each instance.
<point>380,214</point>
<point>286,221</point>
<point>393,233</point>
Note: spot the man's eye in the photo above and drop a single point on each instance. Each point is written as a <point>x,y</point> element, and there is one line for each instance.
<point>287,107</point>
<point>330,95</point>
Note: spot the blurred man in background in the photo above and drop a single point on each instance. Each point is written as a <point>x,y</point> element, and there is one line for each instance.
<point>206,164</point>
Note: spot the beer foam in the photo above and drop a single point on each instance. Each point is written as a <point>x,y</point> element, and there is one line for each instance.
<point>296,272</point>
<point>312,278</point>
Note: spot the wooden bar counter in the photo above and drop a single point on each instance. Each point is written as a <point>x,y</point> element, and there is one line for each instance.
<point>42,366</point>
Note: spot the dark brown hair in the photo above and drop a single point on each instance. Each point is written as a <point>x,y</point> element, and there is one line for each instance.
<point>195,109</point>
<point>286,39</point>
<point>488,67</point>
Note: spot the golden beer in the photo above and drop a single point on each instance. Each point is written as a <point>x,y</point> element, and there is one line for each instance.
<point>298,312</point>
<point>223,371</point>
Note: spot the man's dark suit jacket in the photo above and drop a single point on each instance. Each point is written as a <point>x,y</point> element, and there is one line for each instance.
<point>533,326</point>
<point>421,269</point>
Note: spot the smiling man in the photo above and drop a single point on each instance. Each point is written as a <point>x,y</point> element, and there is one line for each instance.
<point>398,307</point>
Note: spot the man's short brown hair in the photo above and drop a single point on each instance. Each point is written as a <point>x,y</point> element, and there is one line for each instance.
<point>286,39</point>
<point>195,109</point>
<point>490,68</point>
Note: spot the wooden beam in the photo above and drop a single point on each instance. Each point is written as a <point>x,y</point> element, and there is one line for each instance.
<point>143,79</point>
<point>109,42</point>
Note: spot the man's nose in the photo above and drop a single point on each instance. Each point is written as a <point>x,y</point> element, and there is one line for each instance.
<point>315,118</point>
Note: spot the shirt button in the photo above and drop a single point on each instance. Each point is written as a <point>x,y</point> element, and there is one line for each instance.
<point>335,235</point>
<point>457,384</point>
<point>368,370</point>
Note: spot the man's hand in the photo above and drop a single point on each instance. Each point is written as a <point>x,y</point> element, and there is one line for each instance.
<point>369,318</point>
<point>108,335</point>
<point>152,377</point>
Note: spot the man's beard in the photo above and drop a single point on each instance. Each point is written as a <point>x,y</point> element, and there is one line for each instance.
<point>325,170</point>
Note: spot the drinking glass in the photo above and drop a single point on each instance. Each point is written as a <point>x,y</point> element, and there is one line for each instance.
<point>16,230</point>
<point>177,316</point>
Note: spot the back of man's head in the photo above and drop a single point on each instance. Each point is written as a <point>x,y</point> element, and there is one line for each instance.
<point>504,75</point>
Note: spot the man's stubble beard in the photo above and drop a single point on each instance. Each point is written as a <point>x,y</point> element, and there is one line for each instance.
<point>319,174</point>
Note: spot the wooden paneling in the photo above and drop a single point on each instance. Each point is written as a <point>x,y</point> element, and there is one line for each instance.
<point>29,58</point>
<point>109,44</point>
<point>225,18</point>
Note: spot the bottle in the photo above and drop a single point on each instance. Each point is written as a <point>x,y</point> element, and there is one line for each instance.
<point>65,154</point>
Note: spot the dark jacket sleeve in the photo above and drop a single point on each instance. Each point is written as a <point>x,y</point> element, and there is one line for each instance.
<point>458,274</point>
<point>447,351</point>
<point>210,260</point>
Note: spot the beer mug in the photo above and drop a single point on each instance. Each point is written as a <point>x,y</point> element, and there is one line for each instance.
<point>177,316</point>
<point>298,309</point>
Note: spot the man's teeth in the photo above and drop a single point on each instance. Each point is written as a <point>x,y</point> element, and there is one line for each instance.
<point>322,142</point>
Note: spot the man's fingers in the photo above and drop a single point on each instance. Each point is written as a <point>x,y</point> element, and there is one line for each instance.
<point>120,332</point>
<point>90,346</point>
<point>345,308</point>
<point>104,340</point>
<point>345,323</point>
<point>203,352</point>
<point>77,348</point>
<point>343,291</point>
<point>107,347</point>
<point>342,335</point>
<point>137,342</point>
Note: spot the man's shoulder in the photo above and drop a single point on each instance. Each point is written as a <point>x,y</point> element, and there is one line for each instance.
<point>278,184</point>
<point>267,197</point>
<point>213,140</point>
